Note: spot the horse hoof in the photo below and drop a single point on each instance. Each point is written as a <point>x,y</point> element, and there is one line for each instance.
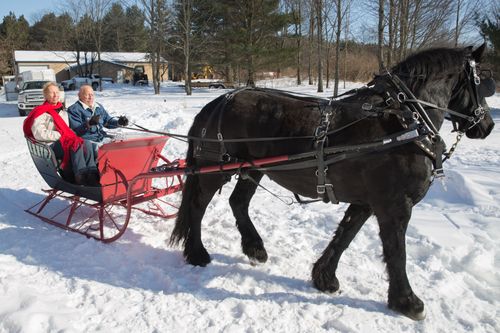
<point>323,281</point>
<point>410,306</point>
<point>255,252</point>
<point>201,258</point>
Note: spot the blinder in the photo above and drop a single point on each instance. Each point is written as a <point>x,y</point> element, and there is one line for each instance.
<point>480,84</point>
<point>487,86</point>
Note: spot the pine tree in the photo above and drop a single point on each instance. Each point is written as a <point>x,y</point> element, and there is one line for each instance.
<point>115,23</point>
<point>51,32</point>
<point>14,35</point>
<point>245,35</point>
<point>490,28</point>
<point>136,34</point>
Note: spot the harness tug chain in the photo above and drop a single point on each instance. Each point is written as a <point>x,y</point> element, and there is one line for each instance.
<point>377,148</point>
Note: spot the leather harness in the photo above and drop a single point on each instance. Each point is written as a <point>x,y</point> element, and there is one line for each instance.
<point>398,100</point>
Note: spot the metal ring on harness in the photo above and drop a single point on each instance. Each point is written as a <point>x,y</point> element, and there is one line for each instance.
<point>401,97</point>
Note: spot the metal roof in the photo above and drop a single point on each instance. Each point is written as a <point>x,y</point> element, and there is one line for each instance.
<point>69,57</point>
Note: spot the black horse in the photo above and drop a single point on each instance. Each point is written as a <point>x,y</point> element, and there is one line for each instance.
<point>405,106</point>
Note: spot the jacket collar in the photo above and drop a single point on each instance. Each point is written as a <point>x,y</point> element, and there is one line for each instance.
<point>85,106</point>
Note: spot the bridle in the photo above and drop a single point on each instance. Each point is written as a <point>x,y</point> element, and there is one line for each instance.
<point>473,82</point>
<point>405,96</point>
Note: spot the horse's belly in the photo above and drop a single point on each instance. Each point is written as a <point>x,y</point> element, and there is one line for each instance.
<point>302,182</point>
<point>364,180</point>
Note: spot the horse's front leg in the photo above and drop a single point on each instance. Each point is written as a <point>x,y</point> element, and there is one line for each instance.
<point>393,220</point>
<point>251,243</point>
<point>323,273</point>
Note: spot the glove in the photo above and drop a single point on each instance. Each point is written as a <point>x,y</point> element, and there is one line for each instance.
<point>94,120</point>
<point>122,121</point>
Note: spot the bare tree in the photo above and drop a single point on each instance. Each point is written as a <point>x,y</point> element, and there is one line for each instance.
<point>184,37</point>
<point>392,32</point>
<point>88,18</point>
<point>465,17</point>
<point>337,47</point>
<point>311,41</point>
<point>318,7</point>
<point>80,34</point>
<point>97,9</point>
<point>380,34</point>
<point>297,10</point>
<point>157,18</point>
<point>330,24</point>
<point>346,38</point>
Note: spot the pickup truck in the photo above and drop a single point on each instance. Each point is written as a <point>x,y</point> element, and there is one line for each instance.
<point>31,95</point>
<point>78,81</point>
<point>29,89</point>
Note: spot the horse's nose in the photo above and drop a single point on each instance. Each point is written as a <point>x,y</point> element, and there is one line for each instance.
<point>489,129</point>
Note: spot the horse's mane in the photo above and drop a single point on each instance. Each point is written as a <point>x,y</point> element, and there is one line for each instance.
<point>431,63</point>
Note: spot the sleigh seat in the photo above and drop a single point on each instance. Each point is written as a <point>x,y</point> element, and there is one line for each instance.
<point>49,168</point>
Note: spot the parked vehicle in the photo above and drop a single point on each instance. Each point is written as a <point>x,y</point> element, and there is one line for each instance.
<point>10,87</point>
<point>78,81</point>
<point>140,77</point>
<point>30,90</point>
<point>212,84</point>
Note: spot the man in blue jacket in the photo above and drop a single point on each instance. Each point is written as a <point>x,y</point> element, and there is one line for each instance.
<point>88,119</point>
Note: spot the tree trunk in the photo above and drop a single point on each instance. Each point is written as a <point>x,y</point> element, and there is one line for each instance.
<point>348,13</point>
<point>403,29</point>
<point>337,48</point>
<point>380,46</point>
<point>298,34</point>
<point>186,7</point>
<point>311,43</point>
<point>392,37</point>
<point>250,46</point>
<point>319,15</point>
<point>457,23</point>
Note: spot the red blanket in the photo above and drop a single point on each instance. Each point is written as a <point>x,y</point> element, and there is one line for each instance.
<point>69,140</point>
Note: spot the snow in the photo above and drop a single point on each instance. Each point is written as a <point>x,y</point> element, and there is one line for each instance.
<point>57,281</point>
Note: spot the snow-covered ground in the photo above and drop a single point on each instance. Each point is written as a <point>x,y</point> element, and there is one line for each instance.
<point>57,281</point>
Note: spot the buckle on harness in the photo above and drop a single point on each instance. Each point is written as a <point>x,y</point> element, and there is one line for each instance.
<point>321,189</point>
<point>367,106</point>
<point>438,173</point>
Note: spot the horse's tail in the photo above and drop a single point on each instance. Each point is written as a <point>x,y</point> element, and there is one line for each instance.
<point>182,226</point>
<point>191,186</point>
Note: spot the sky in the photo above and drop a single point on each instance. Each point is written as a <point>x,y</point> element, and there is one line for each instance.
<point>31,9</point>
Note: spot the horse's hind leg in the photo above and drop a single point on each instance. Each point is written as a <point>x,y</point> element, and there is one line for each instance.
<point>393,220</point>
<point>251,243</point>
<point>197,193</point>
<point>323,273</point>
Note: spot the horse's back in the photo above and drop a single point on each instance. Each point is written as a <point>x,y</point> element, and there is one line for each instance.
<point>255,114</point>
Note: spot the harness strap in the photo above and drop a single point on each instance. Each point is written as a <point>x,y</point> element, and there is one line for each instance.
<point>303,202</point>
<point>438,161</point>
<point>324,185</point>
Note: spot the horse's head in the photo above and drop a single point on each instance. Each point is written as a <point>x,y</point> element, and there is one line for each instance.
<point>468,97</point>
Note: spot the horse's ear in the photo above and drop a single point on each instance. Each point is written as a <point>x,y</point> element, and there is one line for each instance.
<point>478,53</point>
